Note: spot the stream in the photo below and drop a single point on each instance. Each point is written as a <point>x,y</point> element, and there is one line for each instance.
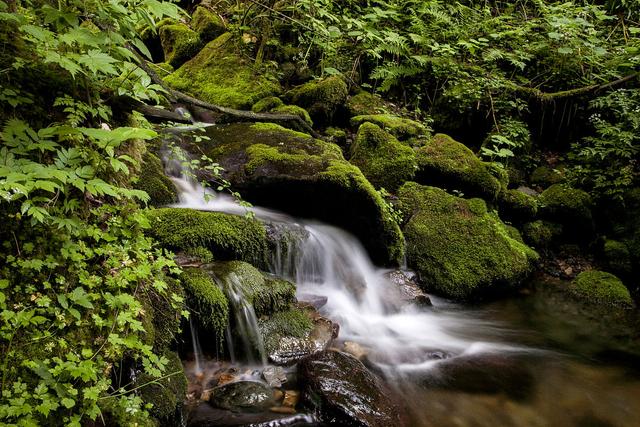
<point>514,362</point>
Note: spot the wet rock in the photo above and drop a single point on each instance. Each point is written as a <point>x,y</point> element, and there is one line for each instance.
<point>291,398</point>
<point>282,410</point>
<point>483,373</point>
<point>356,350</point>
<point>275,376</point>
<point>205,415</point>
<point>242,396</point>
<point>346,393</point>
<point>410,292</point>
<point>317,301</point>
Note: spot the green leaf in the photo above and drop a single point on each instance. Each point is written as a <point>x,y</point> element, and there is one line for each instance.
<point>98,62</point>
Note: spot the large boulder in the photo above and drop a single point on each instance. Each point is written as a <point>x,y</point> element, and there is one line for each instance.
<point>227,237</point>
<point>457,247</point>
<point>179,43</point>
<point>446,163</point>
<point>219,74</point>
<point>346,392</point>
<point>321,98</point>
<point>385,161</point>
<point>275,167</point>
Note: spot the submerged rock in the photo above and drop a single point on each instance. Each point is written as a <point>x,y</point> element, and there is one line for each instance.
<point>385,161</point>
<point>457,247</point>
<point>242,396</point>
<point>345,392</point>
<point>446,163</point>
<point>275,167</point>
<point>221,75</point>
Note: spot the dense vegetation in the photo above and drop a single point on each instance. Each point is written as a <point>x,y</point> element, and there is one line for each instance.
<point>525,84</point>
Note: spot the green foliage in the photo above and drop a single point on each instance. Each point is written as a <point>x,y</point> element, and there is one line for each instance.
<point>508,138</point>
<point>77,270</point>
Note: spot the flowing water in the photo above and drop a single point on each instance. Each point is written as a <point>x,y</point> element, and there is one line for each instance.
<point>451,365</point>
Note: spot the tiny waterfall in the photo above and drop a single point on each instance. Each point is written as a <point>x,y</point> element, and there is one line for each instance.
<point>197,352</point>
<point>328,262</point>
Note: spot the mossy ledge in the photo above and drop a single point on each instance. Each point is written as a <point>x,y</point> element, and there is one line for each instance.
<point>290,171</point>
<point>457,247</point>
<point>226,236</point>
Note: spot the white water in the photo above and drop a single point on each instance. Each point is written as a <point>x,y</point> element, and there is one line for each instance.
<point>331,263</point>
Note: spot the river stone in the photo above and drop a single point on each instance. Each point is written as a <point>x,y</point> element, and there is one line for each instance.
<point>346,392</point>
<point>275,376</point>
<point>408,288</point>
<point>242,396</point>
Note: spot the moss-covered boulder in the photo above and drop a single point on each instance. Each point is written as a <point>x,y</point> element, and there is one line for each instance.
<point>517,206</point>
<point>206,300</point>
<point>295,111</point>
<point>399,127</point>
<point>226,236</point>
<point>570,207</point>
<point>364,103</point>
<point>446,163</point>
<point>541,234</point>
<point>291,171</point>
<point>267,104</point>
<point>385,161</point>
<point>207,24</point>
<point>221,75</point>
<point>267,294</point>
<point>617,257</point>
<point>545,176</point>
<point>166,395</point>
<point>601,288</point>
<point>179,43</point>
<point>155,183</point>
<point>320,98</point>
<point>457,247</point>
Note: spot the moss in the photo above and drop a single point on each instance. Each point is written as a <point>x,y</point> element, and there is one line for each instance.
<point>168,394</point>
<point>226,236</point>
<point>517,206</point>
<point>291,171</point>
<point>166,315</point>
<point>617,257</point>
<point>446,163</point>
<point>364,103</point>
<point>219,74</point>
<point>545,176</point>
<point>540,234</point>
<point>385,161</point>
<point>457,247</point>
<point>399,127</point>
<point>163,69</point>
<point>204,255</point>
<point>206,300</point>
<point>267,104</point>
<point>570,207</point>
<point>320,98</point>
<point>179,43</point>
<point>290,323</point>
<point>294,110</point>
<point>155,183</point>
<point>599,287</point>
<point>207,24</point>
<point>265,293</point>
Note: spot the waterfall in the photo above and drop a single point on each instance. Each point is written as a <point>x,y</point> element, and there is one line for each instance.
<point>197,352</point>
<point>328,262</point>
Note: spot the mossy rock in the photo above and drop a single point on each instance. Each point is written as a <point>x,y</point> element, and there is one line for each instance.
<point>295,111</point>
<point>155,183</point>
<point>399,127</point>
<point>541,234</point>
<point>517,206</point>
<point>570,207</point>
<point>179,43</point>
<point>618,257</point>
<point>167,394</point>
<point>320,98</point>
<point>267,294</point>
<point>206,300</point>
<point>385,161</point>
<point>162,69</point>
<point>164,315</point>
<point>599,287</point>
<point>457,247</point>
<point>267,104</point>
<point>290,171</point>
<point>207,24</point>
<point>294,323</point>
<point>226,236</point>
<point>219,74</point>
<point>544,176</point>
<point>364,103</point>
<point>446,163</point>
